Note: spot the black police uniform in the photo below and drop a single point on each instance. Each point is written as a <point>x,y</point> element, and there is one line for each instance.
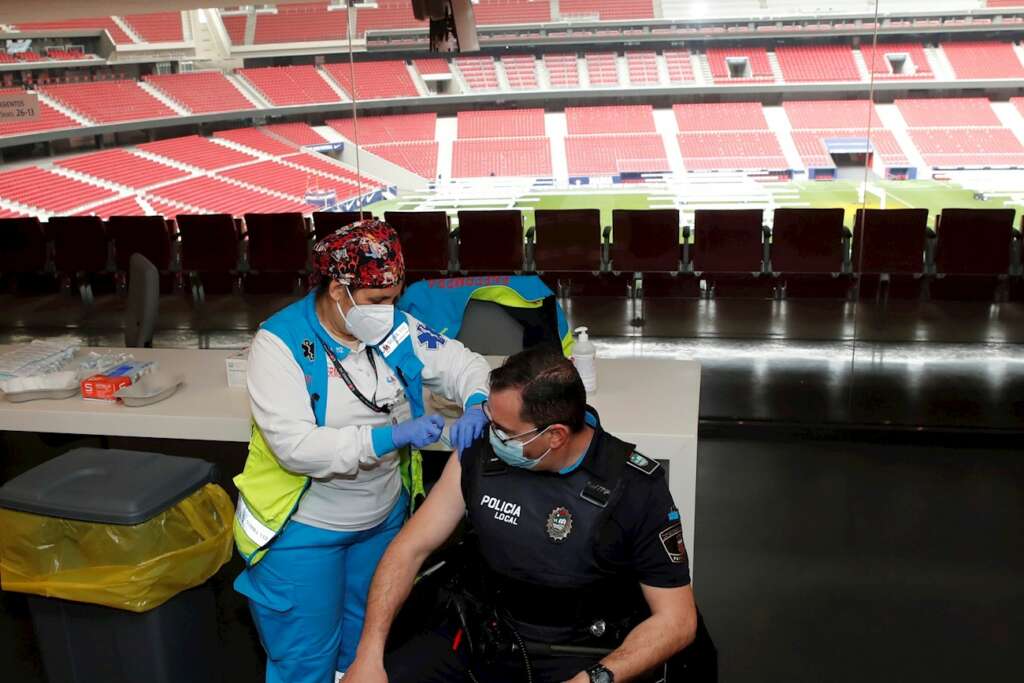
<point>563,555</point>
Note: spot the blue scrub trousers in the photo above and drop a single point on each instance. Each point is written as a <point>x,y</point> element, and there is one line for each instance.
<point>308,596</point>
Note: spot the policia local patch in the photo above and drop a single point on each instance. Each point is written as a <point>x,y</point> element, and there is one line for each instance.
<point>672,541</point>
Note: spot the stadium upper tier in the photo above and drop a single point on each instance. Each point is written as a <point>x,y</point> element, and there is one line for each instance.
<point>235,172</point>
<point>81,103</point>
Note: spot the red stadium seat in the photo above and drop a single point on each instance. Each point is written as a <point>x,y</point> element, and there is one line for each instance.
<point>728,252</point>
<point>888,252</point>
<point>278,251</point>
<point>326,222</point>
<point>490,241</point>
<point>807,253</point>
<point>425,237</point>
<point>973,251</point>
<point>209,252</point>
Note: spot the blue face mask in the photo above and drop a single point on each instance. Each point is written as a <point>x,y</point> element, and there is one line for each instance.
<point>511,451</point>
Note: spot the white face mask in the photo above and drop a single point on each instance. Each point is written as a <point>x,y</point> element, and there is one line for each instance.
<point>369,323</point>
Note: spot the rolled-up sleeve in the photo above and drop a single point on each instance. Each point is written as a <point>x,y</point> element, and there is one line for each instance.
<point>281,406</point>
<point>449,368</point>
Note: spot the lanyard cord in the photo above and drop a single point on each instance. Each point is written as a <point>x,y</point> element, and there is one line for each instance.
<point>372,405</point>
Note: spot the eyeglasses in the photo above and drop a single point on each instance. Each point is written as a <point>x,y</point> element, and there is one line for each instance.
<point>503,436</point>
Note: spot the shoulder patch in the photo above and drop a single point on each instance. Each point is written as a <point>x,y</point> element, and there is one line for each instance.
<point>672,541</point>
<point>641,462</point>
<point>426,336</point>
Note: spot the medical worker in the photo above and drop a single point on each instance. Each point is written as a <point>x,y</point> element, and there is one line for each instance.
<point>335,384</point>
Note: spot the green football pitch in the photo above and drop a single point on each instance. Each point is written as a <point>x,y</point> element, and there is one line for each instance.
<point>927,194</point>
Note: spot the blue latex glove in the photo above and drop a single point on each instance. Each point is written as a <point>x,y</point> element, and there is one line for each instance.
<point>469,427</point>
<point>419,432</point>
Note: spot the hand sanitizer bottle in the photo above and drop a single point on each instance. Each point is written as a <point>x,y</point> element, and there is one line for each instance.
<point>584,355</point>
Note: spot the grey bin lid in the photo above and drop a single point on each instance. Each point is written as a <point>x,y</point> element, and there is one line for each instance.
<point>106,486</point>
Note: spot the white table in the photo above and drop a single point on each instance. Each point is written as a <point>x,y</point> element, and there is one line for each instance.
<point>652,403</point>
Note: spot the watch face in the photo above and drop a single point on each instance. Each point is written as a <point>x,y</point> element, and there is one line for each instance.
<point>599,674</point>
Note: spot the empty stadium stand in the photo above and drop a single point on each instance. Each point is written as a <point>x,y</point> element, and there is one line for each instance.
<point>739,65</point>
<point>815,114</point>
<point>491,12</point>
<point>638,118</point>
<point>388,14</point>
<point>607,11</point>
<point>289,180</point>
<point>521,71</point>
<point>38,189</point>
<point>643,68</point>
<point>374,80</point>
<point>615,154</point>
<point>478,72</point>
<point>432,66</point>
<point>956,147</point>
<point>947,112</point>
<point>219,196</point>
<point>896,60</point>
<point>255,139</point>
<point>680,66</point>
<point>123,168</point>
<point>159,27</point>
<point>603,68</point>
<point>418,157</point>
<point>807,63</point>
<point>983,59</point>
<point>296,133</point>
<point>104,23</point>
<point>234,24</point>
<point>738,150</point>
<point>301,23</point>
<point>109,101</point>
<point>480,158</point>
<point>49,119</point>
<point>201,91</point>
<point>196,151</point>
<point>707,116</point>
<point>373,130</point>
<point>501,123</point>
<point>289,85</point>
<point>124,206</point>
<point>563,70</point>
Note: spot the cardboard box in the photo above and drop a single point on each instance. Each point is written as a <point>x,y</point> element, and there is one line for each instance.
<point>103,387</point>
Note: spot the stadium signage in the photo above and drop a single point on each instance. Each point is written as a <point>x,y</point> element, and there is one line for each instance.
<point>19,107</point>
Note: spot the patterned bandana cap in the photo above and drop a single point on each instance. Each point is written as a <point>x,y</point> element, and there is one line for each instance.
<point>365,254</point>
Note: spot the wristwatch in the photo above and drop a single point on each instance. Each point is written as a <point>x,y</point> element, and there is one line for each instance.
<point>600,674</point>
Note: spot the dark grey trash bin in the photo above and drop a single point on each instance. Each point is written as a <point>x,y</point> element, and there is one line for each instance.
<point>86,643</point>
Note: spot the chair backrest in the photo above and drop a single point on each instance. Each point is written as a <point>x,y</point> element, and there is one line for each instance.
<point>326,222</point>
<point>424,236</point>
<point>79,243</point>
<point>807,241</point>
<point>22,245</point>
<point>645,241</point>
<point>143,302</point>
<point>567,239</point>
<point>728,240</point>
<point>488,329</point>
<point>889,240</point>
<point>491,240</point>
<point>277,242</point>
<point>974,241</point>
<point>209,243</point>
<point>146,235</point>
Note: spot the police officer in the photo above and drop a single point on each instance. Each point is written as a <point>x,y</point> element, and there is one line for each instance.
<point>584,575</point>
<point>336,389</point>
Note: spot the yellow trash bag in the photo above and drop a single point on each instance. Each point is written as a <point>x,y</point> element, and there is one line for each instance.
<point>133,568</point>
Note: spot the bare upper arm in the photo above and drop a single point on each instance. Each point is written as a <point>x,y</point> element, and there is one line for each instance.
<point>439,515</point>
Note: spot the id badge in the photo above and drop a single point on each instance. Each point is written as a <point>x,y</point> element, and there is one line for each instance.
<point>401,412</point>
